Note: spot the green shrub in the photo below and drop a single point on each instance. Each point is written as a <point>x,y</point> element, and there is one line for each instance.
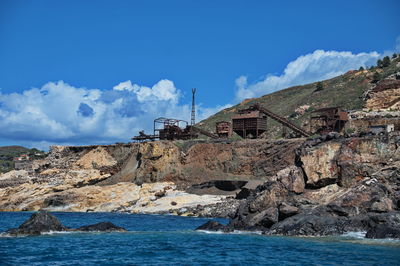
<point>386,61</point>
<point>319,86</point>
<point>376,77</point>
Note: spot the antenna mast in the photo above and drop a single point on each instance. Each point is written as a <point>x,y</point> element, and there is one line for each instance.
<point>193,121</point>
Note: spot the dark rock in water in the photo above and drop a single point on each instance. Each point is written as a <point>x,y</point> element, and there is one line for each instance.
<point>383,231</point>
<point>39,222</point>
<point>45,222</point>
<point>309,225</point>
<point>212,226</point>
<point>103,226</point>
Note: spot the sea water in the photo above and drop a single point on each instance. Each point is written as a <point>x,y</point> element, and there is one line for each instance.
<point>171,240</point>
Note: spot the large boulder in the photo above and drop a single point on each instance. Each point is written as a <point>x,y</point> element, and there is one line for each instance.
<point>292,178</point>
<point>318,223</point>
<point>383,231</point>
<point>38,223</point>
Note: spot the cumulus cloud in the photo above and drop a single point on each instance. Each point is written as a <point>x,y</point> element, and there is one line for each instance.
<point>58,113</point>
<point>319,65</point>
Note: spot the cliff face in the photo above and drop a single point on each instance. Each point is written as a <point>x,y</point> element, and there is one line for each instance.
<point>194,162</point>
<point>347,161</point>
<point>350,184</point>
<point>145,177</point>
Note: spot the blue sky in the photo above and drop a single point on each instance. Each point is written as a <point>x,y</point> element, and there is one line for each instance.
<point>75,72</point>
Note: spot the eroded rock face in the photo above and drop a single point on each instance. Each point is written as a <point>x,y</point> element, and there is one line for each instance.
<point>347,161</point>
<point>361,194</point>
<point>385,96</point>
<point>126,177</point>
<point>319,164</point>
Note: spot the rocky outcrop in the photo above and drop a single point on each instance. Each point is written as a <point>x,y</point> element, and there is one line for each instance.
<point>348,160</point>
<point>384,96</point>
<point>354,186</point>
<point>153,198</point>
<point>38,223</point>
<point>145,177</point>
<point>212,226</point>
<point>42,222</point>
<point>383,231</point>
<point>101,227</point>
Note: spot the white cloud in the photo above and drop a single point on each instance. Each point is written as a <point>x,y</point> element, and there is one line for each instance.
<point>319,65</point>
<point>164,90</point>
<point>59,113</point>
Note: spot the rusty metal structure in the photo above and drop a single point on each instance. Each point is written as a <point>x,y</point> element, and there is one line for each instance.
<point>252,122</point>
<point>223,129</point>
<point>195,130</point>
<point>144,137</point>
<point>328,119</point>
<point>172,129</point>
<point>249,123</point>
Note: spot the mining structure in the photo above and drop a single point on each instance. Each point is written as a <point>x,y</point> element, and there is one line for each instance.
<point>248,123</point>
<point>252,122</point>
<point>328,119</point>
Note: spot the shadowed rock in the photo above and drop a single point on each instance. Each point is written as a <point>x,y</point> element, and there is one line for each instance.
<point>102,226</point>
<point>43,221</point>
<point>383,231</point>
<point>213,226</point>
<point>38,223</point>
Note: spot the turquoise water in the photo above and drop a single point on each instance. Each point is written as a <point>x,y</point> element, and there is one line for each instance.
<point>170,240</point>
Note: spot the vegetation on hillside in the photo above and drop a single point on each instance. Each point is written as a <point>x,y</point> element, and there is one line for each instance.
<point>8,153</point>
<point>345,91</point>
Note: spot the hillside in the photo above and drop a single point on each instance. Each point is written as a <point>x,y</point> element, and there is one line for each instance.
<point>7,153</point>
<point>344,91</point>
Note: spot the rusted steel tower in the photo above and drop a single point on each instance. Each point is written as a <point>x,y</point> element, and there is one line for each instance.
<point>193,121</point>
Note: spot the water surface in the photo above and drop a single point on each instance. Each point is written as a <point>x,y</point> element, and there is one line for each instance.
<point>171,240</point>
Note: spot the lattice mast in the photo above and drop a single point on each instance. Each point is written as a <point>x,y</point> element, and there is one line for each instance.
<point>193,121</point>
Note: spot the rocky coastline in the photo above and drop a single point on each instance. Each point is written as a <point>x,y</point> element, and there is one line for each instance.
<point>326,185</point>
<point>336,185</point>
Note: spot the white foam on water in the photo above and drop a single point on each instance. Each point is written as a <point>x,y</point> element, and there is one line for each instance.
<point>211,232</point>
<point>356,235</point>
<point>57,232</point>
<point>359,238</point>
<point>235,232</point>
<point>240,232</point>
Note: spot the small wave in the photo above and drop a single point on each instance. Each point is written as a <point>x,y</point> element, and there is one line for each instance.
<point>356,235</point>
<point>6,235</point>
<point>240,232</point>
<point>359,238</point>
<point>212,232</point>
<point>235,232</point>
<point>57,232</point>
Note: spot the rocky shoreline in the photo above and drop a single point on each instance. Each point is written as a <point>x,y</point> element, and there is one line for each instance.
<point>327,185</point>
<point>337,185</point>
